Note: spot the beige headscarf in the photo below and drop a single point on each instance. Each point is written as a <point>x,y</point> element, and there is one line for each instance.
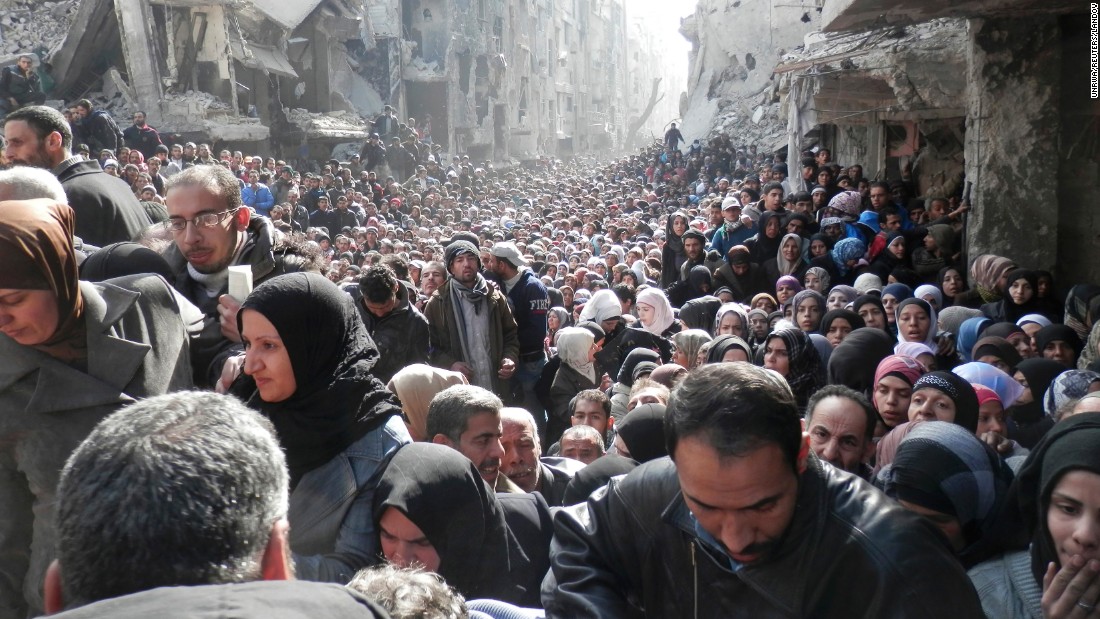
<point>415,386</point>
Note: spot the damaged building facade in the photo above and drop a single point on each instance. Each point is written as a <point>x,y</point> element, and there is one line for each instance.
<point>499,80</point>
<point>986,94</point>
<point>990,95</point>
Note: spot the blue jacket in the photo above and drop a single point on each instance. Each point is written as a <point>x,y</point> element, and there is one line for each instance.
<point>529,302</point>
<point>259,199</point>
<point>332,508</point>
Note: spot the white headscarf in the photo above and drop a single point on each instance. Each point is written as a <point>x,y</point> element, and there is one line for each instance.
<point>604,305</point>
<point>574,343</point>
<point>663,316</point>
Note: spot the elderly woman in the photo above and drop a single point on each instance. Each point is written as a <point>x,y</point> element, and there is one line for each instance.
<point>72,352</point>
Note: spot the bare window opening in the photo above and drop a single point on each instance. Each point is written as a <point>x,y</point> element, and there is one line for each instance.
<point>522,111</point>
<point>481,88</point>
<point>464,65</point>
<point>750,62</point>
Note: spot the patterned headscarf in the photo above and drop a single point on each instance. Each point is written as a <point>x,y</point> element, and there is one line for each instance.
<point>959,390</point>
<point>1068,386</point>
<point>986,271</point>
<point>822,276</point>
<point>846,250</point>
<point>805,373</point>
<point>847,202</point>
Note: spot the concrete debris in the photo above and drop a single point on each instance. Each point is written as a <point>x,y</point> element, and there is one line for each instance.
<point>33,26</point>
<point>337,124</point>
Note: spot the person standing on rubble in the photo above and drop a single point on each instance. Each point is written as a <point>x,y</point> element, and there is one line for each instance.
<point>100,129</point>
<point>140,136</point>
<point>20,85</point>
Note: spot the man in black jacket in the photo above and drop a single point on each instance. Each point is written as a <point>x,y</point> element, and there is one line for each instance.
<point>106,209</point>
<point>399,329</point>
<point>744,521</point>
<point>100,128</point>
<point>529,301</point>
<point>142,137</point>
<point>20,85</point>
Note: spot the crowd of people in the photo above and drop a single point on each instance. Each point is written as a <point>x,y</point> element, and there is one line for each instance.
<point>680,383</point>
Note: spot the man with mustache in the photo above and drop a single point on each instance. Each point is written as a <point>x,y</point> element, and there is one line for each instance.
<point>466,418</point>
<point>744,521</point>
<point>212,230</point>
<point>522,462</point>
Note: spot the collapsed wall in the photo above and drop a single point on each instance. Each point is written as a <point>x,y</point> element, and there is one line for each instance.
<point>736,44</point>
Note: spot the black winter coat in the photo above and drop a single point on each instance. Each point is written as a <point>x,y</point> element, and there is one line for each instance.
<point>632,550</point>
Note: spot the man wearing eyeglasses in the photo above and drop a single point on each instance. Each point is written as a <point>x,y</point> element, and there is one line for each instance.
<point>212,230</point>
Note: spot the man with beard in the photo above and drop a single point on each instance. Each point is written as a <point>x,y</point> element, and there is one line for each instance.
<point>470,327</point>
<point>213,230</point>
<point>743,521</point>
<point>106,209</point>
<point>467,419</point>
<point>140,136</point>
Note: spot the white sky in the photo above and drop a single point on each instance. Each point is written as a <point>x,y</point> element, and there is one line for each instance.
<point>665,19</point>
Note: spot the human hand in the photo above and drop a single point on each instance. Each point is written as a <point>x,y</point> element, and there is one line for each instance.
<point>1072,591</point>
<point>1000,444</point>
<point>945,347</point>
<point>507,368</point>
<point>227,311</point>
<point>231,369</point>
<point>463,369</point>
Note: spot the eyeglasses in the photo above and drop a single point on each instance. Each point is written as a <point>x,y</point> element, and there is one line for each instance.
<point>206,220</point>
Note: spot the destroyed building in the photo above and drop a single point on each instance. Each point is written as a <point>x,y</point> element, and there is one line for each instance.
<point>500,80</point>
<point>1011,104</point>
<point>987,93</point>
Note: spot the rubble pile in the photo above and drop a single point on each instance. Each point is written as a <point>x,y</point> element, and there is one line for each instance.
<point>33,26</point>
<point>336,124</point>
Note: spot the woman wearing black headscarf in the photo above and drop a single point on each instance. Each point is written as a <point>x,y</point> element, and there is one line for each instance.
<point>1058,342</point>
<point>641,435</point>
<point>764,245</point>
<point>791,353</point>
<point>440,493</point>
<point>870,309</point>
<point>729,348</point>
<point>1019,300</point>
<point>838,324</point>
<point>1029,420</point>
<point>307,368</point>
<point>71,353</point>
<point>1053,503</point>
<point>944,396</point>
<point>700,313</point>
<point>624,382</point>
<point>673,254</point>
<point>952,282</point>
<point>854,361</point>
